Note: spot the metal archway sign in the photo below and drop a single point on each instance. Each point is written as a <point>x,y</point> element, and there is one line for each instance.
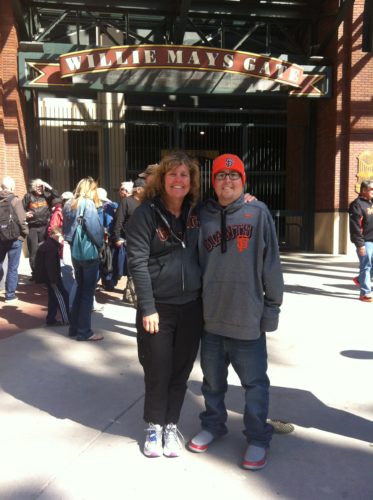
<point>179,69</point>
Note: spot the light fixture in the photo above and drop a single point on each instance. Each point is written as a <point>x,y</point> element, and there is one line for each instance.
<point>31,46</point>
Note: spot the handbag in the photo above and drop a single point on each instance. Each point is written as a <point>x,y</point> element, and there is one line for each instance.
<point>106,260</point>
<point>82,247</point>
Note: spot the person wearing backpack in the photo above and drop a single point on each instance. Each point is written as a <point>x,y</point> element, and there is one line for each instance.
<point>85,234</point>
<point>13,230</point>
<point>38,206</point>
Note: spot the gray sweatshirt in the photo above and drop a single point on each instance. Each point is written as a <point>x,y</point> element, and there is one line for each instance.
<point>242,278</point>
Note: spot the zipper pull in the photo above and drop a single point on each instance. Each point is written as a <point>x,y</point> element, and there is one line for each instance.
<point>183,244</point>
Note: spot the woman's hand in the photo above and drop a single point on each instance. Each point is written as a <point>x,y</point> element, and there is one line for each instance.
<point>151,323</point>
<point>248,198</point>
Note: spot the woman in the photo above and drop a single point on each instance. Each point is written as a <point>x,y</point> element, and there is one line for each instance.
<point>86,271</point>
<point>162,237</point>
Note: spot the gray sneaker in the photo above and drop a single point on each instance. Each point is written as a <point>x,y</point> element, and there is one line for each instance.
<point>172,442</point>
<point>201,441</point>
<point>255,457</point>
<point>153,442</point>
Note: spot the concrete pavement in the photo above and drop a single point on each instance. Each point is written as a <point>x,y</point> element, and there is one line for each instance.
<point>71,412</point>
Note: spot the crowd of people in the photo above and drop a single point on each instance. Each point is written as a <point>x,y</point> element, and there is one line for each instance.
<point>45,221</point>
<point>200,274</point>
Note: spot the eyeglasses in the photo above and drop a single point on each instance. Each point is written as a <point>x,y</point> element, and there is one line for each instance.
<point>233,176</point>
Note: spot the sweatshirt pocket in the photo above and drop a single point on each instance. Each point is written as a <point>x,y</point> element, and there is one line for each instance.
<point>232,304</point>
<point>166,277</point>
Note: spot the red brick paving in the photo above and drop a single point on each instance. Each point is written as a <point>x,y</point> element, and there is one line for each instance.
<point>31,309</point>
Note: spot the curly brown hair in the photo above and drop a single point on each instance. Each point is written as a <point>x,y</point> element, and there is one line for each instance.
<point>168,162</point>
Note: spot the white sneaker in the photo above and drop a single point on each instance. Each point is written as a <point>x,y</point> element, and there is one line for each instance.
<point>96,307</point>
<point>172,442</point>
<point>12,302</point>
<point>153,441</point>
<point>201,441</point>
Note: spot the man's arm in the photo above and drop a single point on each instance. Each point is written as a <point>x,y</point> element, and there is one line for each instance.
<point>273,282</point>
<point>119,219</point>
<point>356,229</point>
<point>49,193</point>
<point>21,216</point>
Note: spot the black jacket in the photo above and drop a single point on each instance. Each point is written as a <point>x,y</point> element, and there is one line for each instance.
<point>163,258</point>
<point>41,206</point>
<point>123,214</point>
<point>361,221</point>
<point>47,262</point>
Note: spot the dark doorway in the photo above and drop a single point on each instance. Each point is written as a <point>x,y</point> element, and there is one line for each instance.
<point>83,146</point>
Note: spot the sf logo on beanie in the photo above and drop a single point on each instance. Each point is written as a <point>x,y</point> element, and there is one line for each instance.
<point>229,162</point>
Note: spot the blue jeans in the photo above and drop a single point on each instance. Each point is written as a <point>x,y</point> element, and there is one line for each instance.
<point>86,279</point>
<point>13,249</point>
<point>249,360</point>
<point>69,283</point>
<point>366,263</point>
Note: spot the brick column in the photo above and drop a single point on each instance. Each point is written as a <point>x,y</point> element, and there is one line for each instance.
<point>12,123</point>
<point>345,129</point>
<point>361,102</point>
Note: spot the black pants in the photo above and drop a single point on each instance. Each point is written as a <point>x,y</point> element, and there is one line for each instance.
<point>58,300</point>
<point>167,358</point>
<point>36,236</point>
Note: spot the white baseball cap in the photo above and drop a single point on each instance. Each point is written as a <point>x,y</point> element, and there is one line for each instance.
<point>102,194</point>
<point>67,195</point>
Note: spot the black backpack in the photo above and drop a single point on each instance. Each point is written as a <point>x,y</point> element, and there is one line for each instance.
<point>9,227</point>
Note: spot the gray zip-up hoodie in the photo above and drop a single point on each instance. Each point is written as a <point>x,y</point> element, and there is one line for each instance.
<point>242,278</point>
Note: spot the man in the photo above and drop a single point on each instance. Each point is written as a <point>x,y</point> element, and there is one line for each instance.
<point>123,214</point>
<point>361,234</point>
<point>38,206</point>
<point>242,294</point>
<point>13,230</point>
<point>107,215</point>
<point>125,189</point>
<point>148,173</point>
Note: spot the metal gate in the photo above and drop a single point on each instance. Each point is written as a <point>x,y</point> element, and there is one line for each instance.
<point>116,148</point>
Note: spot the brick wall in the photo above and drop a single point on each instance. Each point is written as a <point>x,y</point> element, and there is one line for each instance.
<point>345,122</point>
<point>361,107</point>
<point>12,125</point>
<point>326,174</point>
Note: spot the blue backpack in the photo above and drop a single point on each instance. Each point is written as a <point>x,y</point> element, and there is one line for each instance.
<point>82,247</point>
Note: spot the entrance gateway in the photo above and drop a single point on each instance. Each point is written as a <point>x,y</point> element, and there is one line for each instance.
<point>109,111</point>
